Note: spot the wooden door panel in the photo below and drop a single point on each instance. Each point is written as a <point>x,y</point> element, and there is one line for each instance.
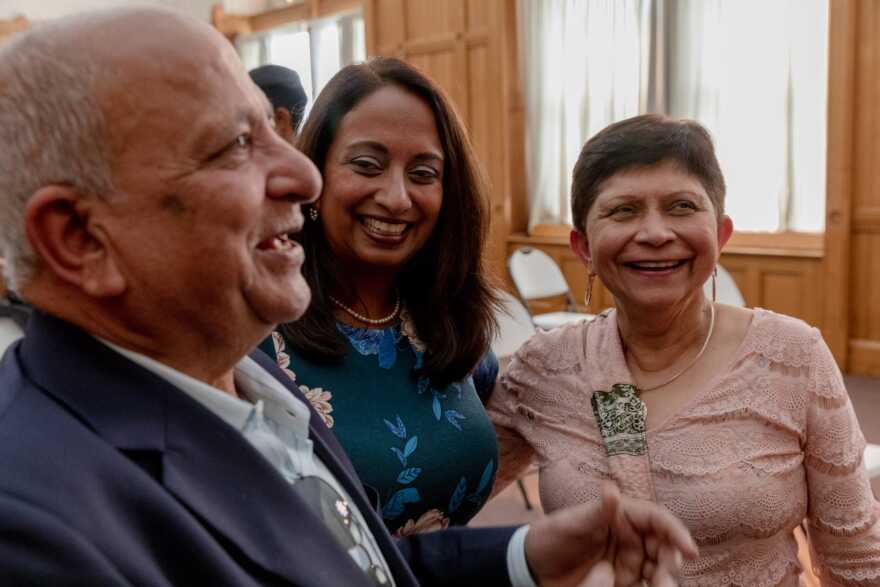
<point>429,18</point>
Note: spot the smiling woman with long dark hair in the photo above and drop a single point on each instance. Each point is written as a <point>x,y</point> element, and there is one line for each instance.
<point>394,349</point>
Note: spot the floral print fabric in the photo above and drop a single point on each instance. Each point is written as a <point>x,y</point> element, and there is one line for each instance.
<point>429,452</point>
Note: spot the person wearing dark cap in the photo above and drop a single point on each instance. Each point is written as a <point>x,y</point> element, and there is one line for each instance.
<point>285,90</point>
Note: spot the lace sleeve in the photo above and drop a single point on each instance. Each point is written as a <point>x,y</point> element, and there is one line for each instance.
<point>515,454</point>
<point>843,515</point>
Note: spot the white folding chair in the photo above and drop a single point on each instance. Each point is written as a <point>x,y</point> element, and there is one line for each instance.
<point>726,290</point>
<point>872,460</point>
<point>536,275</point>
<point>514,326</point>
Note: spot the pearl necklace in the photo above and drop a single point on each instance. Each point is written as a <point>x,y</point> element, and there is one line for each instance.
<point>694,360</point>
<point>365,319</point>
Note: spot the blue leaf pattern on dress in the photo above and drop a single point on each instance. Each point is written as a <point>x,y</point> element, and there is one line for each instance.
<point>411,446</point>
<point>395,505</point>
<point>409,475</point>
<point>486,478</point>
<point>453,417</point>
<point>457,496</point>
<point>485,481</point>
<point>398,429</point>
<point>391,346</point>
<point>400,456</point>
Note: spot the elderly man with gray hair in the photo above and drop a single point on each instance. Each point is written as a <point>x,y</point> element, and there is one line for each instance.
<point>145,205</point>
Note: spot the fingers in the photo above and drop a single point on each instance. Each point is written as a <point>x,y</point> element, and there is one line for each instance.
<point>610,503</point>
<point>665,573</point>
<point>649,519</point>
<point>602,575</point>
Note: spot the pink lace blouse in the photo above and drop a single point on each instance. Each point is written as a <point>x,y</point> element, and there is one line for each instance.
<point>768,443</point>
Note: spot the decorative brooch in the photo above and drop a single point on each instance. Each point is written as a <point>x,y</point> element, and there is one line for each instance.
<point>620,414</point>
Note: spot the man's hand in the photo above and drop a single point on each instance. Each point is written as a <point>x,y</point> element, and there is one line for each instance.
<point>619,543</point>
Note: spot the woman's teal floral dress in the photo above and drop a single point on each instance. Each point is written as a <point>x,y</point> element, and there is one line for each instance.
<point>430,454</point>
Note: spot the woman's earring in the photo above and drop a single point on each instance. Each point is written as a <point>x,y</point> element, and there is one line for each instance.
<point>714,285</point>
<point>588,295</point>
<point>313,213</point>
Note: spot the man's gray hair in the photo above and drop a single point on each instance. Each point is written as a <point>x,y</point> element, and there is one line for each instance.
<point>52,131</point>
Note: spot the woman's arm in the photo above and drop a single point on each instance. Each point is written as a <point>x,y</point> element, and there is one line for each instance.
<point>843,526</point>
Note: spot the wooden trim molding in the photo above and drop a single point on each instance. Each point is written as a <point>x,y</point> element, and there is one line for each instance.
<point>864,357</point>
<point>866,220</point>
<point>777,244</point>
<point>842,63</point>
<point>232,25</point>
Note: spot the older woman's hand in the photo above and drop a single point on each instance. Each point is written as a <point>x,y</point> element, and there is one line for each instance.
<point>623,540</point>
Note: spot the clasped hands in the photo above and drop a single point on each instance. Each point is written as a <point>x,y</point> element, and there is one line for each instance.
<point>621,542</point>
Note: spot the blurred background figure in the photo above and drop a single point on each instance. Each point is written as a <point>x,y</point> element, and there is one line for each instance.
<point>285,91</point>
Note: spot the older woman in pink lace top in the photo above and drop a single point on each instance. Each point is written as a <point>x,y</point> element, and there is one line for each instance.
<point>737,420</point>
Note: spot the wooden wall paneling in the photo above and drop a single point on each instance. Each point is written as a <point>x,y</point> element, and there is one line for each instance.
<point>326,7</point>
<point>865,317</point>
<point>483,44</point>
<point>427,18</point>
<point>385,27</point>
<point>793,287</point>
<point>863,212</point>
<point>864,356</point>
<point>478,15</point>
<point>835,277</point>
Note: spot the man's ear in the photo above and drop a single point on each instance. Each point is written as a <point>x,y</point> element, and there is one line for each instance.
<point>580,246</point>
<point>60,228</point>
<point>284,124</point>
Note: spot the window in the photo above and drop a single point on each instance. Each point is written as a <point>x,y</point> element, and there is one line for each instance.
<point>754,72</point>
<point>316,50</point>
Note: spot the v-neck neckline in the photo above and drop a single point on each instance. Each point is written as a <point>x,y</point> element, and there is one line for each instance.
<point>618,371</point>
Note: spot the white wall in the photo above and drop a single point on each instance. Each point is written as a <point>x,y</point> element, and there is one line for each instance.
<point>36,10</point>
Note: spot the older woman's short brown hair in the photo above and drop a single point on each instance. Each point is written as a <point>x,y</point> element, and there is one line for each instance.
<point>642,141</point>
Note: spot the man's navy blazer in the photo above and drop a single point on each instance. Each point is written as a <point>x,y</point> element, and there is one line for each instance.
<point>110,475</point>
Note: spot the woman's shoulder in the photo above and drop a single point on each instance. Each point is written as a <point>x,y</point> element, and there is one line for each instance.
<point>782,339</point>
<point>555,351</point>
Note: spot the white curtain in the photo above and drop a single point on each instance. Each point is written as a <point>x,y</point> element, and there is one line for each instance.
<point>754,72</point>
<point>315,50</point>
<point>582,70</point>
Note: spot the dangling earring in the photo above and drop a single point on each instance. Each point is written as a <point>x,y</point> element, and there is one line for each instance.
<point>588,295</point>
<point>313,213</point>
<point>714,285</point>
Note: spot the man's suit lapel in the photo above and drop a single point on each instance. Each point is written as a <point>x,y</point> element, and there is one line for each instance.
<point>206,464</point>
<point>328,449</point>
